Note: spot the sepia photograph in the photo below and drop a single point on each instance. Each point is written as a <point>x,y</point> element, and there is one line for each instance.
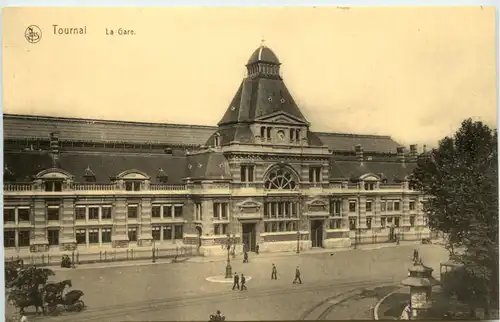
<point>250,163</point>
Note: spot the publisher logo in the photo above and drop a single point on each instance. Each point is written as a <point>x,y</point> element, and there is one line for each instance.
<point>33,34</point>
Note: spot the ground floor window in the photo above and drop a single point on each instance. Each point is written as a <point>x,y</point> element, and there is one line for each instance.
<point>412,221</point>
<point>106,235</point>
<point>280,226</point>
<point>369,222</point>
<point>9,238</point>
<point>80,236</point>
<point>94,236</point>
<point>220,229</point>
<point>383,222</point>
<point>53,236</point>
<point>24,238</point>
<point>352,223</point>
<point>178,233</point>
<point>132,234</point>
<point>156,232</point>
<point>167,232</point>
<point>335,223</point>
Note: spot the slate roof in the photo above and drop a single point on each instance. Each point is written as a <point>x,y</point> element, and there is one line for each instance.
<point>257,97</point>
<point>392,171</point>
<point>263,54</point>
<point>21,127</point>
<point>208,165</point>
<point>25,165</point>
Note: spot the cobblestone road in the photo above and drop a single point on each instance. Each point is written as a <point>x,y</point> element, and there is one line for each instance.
<point>180,291</point>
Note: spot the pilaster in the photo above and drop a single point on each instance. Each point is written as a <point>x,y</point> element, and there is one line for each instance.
<point>119,237</point>
<point>145,234</point>
<point>406,211</point>
<point>39,241</point>
<point>362,212</point>
<point>345,213</point>
<point>67,232</point>
<point>376,212</point>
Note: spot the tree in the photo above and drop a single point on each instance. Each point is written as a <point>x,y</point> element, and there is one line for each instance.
<point>460,180</point>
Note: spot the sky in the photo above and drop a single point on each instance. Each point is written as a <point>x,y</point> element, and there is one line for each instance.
<point>413,73</point>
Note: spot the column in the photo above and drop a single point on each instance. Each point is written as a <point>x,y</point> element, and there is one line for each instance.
<point>146,237</point>
<point>405,211</point>
<point>86,236</point>
<point>362,212</point>
<point>100,236</point>
<point>67,241</point>
<point>376,213</point>
<point>39,241</point>
<point>171,211</point>
<point>16,237</point>
<point>345,212</point>
<point>119,237</point>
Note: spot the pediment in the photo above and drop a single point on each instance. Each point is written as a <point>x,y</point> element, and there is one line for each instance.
<point>281,117</point>
<point>317,205</point>
<point>369,177</point>
<point>249,205</point>
<point>54,174</point>
<point>132,175</point>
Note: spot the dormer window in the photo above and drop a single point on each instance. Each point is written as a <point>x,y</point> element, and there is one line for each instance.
<point>161,176</point>
<point>53,185</point>
<point>132,185</point>
<point>89,175</point>
<point>369,185</point>
<point>217,140</point>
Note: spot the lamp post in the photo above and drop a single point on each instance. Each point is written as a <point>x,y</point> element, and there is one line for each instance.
<point>234,246</point>
<point>230,241</point>
<point>154,251</point>
<point>298,241</point>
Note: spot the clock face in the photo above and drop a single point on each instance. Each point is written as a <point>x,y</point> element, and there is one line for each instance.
<point>281,135</point>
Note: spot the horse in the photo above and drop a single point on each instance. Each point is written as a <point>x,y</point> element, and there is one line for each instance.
<point>31,276</point>
<point>24,299</point>
<point>57,288</point>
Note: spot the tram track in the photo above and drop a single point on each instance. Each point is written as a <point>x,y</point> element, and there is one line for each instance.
<point>119,310</point>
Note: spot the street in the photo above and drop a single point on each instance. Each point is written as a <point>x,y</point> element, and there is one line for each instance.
<point>180,291</point>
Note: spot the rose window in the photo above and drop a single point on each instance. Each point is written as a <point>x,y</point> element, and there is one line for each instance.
<point>280,178</point>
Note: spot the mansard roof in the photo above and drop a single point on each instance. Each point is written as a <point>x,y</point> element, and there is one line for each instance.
<point>394,171</point>
<point>23,127</point>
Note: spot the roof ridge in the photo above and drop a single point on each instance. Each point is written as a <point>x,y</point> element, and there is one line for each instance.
<point>87,120</point>
<point>374,136</point>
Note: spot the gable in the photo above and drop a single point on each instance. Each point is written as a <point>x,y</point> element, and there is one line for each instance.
<point>280,117</point>
<point>54,174</point>
<point>249,206</point>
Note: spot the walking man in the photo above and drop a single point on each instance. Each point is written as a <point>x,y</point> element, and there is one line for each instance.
<point>257,249</point>
<point>245,257</point>
<point>297,276</point>
<point>274,273</point>
<point>243,282</point>
<point>236,283</point>
<point>415,255</point>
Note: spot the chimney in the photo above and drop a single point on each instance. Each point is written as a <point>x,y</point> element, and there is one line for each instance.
<point>401,154</point>
<point>359,152</point>
<point>54,142</point>
<point>413,152</point>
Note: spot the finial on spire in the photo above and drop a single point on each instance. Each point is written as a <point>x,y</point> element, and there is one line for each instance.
<point>262,42</point>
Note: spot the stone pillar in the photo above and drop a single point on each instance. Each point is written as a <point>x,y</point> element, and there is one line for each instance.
<point>345,213</point>
<point>146,236</point>
<point>119,238</point>
<point>406,211</point>
<point>67,240</point>
<point>376,212</point>
<point>208,216</point>
<point>38,240</point>
<point>362,212</point>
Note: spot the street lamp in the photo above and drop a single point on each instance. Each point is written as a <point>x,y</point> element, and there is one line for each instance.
<point>234,246</point>
<point>154,251</point>
<point>298,241</point>
<point>230,241</point>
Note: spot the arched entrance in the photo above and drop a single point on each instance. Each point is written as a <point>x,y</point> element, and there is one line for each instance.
<point>200,232</point>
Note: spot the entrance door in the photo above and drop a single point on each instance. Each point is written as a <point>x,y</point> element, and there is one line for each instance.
<point>200,232</point>
<point>249,236</point>
<point>317,233</point>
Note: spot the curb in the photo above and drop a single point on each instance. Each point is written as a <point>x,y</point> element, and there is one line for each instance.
<point>377,306</point>
<point>217,279</point>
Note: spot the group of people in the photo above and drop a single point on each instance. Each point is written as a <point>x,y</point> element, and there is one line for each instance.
<point>296,280</point>
<point>237,280</point>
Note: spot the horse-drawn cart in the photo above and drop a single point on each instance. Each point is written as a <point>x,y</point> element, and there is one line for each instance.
<point>71,302</point>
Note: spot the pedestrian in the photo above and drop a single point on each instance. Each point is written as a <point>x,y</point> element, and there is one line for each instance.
<point>243,282</point>
<point>274,273</point>
<point>297,276</point>
<point>23,318</point>
<point>245,257</point>
<point>257,249</point>
<point>415,255</point>
<point>236,283</point>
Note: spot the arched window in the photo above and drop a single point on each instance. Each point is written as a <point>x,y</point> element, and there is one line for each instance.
<point>280,178</point>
